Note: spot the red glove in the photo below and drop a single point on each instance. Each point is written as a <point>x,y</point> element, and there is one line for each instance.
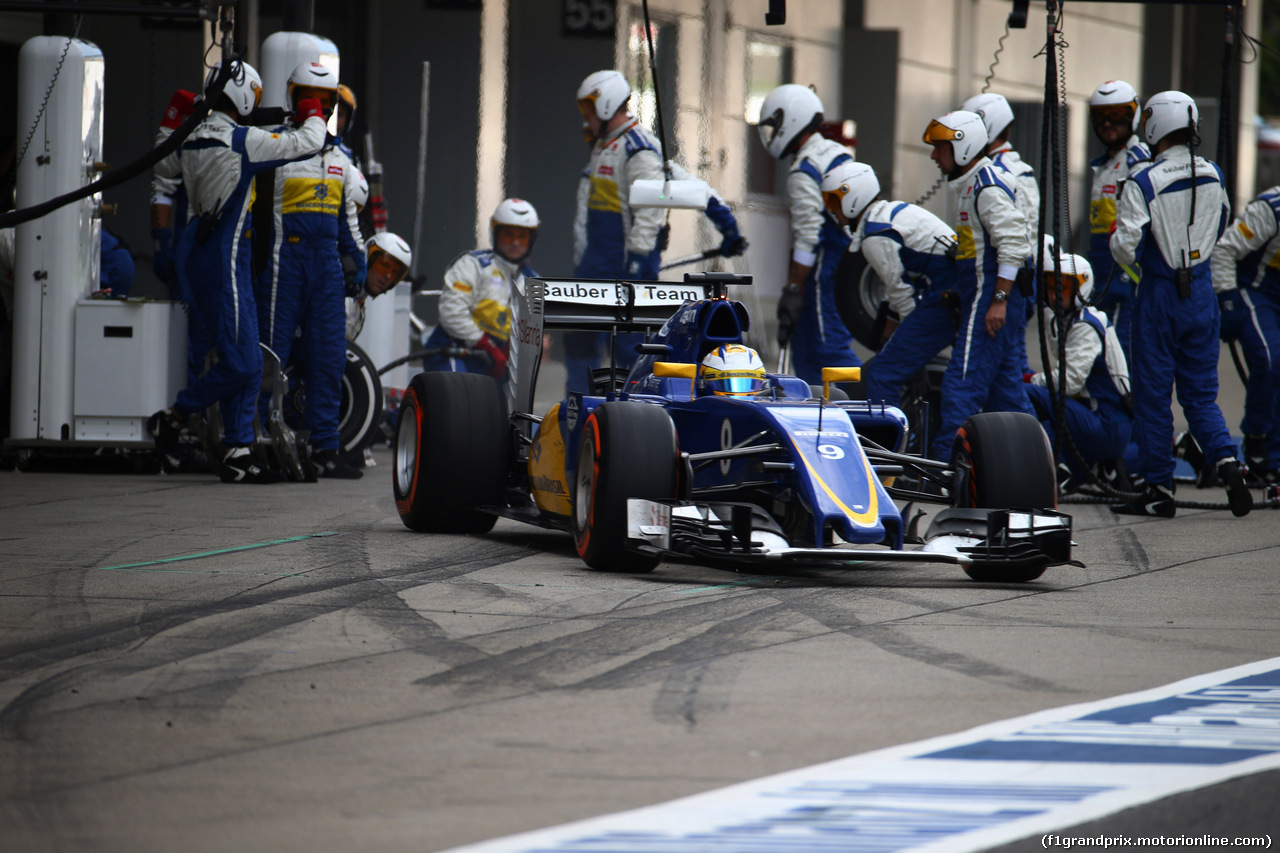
<point>307,108</point>
<point>181,105</point>
<point>497,352</point>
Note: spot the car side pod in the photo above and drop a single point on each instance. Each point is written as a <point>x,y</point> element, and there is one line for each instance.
<point>1005,545</point>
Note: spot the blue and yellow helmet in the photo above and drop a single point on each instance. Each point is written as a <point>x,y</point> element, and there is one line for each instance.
<point>733,370</point>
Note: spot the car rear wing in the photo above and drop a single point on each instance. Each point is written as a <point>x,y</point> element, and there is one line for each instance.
<point>539,305</point>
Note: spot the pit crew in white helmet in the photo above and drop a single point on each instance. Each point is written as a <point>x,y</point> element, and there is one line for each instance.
<point>1171,214</point>
<point>1113,115</point>
<point>997,117</point>
<point>610,239</point>
<point>913,252</point>
<point>389,260</point>
<point>213,264</point>
<point>475,301</point>
<point>309,243</point>
<point>807,315</point>
<point>1246,276</point>
<point>985,372</point>
<point>1096,405</point>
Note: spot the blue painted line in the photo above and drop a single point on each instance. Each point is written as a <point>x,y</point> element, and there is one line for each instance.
<point>203,554</point>
<point>991,785</point>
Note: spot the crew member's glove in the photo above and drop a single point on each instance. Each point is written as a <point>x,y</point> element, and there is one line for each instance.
<point>161,260</point>
<point>790,304</point>
<point>307,108</point>
<point>353,277</point>
<point>497,352</point>
<point>181,105</point>
<point>642,267</point>
<point>1231,324</point>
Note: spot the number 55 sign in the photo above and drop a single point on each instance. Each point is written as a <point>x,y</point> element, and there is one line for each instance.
<point>587,18</point>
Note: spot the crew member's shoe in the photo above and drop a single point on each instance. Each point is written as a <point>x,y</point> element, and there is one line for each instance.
<point>1186,447</point>
<point>329,464</point>
<point>166,428</point>
<point>239,466</point>
<point>1154,500</point>
<point>1238,494</point>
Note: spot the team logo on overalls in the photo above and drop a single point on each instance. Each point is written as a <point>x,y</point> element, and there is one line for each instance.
<point>321,191</point>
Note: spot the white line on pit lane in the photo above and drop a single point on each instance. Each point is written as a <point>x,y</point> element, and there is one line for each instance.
<point>990,785</point>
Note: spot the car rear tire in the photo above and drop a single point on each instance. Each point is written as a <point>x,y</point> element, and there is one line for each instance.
<point>1003,461</point>
<point>451,453</point>
<point>628,450</point>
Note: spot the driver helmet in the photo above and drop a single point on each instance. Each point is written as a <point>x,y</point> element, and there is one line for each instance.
<point>733,370</point>
<point>313,80</point>
<point>243,90</point>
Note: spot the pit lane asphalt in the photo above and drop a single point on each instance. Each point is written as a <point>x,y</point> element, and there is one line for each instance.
<point>196,666</point>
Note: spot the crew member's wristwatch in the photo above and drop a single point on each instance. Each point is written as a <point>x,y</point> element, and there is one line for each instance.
<point>999,297</point>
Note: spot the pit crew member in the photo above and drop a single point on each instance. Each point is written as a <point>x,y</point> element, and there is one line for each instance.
<point>475,311</point>
<point>913,252</point>
<point>219,160</point>
<point>1171,214</point>
<point>984,373</point>
<point>807,317</point>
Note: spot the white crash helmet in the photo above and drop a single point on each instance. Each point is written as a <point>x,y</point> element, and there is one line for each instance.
<point>996,113</point>
<point>1116,95</point>
<point>966,132</point>
<point>850,186</point>
<point>787,112</point>
<point>1073,269</point>
<point>1166,113</point>
<point>604,92</point>
<point>360,192</point>
<point>514,213</point>
<point>244,89</point>
<point>389,251</point>
<point>733,370</point>
<point>313,80</point>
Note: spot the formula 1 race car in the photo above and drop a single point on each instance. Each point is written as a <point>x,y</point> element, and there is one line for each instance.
<point>652,464</point>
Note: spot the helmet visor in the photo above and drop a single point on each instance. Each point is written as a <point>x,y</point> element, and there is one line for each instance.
<point>1121,115</point>
<point>1062,287</point>
<point>736,383</point>
<point>834,200</point>
<point>937,133</point>
<point>328,98</point>
<point>769,127</point>
<point>384,264</point>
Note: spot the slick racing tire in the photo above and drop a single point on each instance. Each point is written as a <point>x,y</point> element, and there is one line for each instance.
<point>360,408</point>
<point>451,453</point>
<point>628,450</point>
<point>859,292</point>
<point>360,412</point>
<point>1003,461</point>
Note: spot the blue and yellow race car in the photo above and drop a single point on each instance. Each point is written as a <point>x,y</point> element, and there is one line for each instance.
<point>685,455</point>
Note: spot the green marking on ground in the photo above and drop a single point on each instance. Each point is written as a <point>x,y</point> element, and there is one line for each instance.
<point>218,552</point>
